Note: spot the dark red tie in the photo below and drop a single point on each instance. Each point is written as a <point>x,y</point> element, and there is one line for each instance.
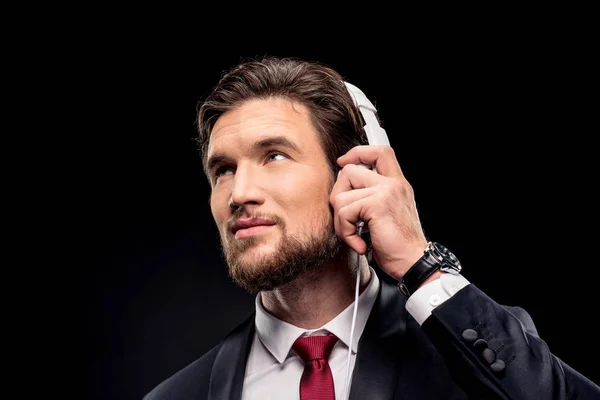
<point>317,381</point>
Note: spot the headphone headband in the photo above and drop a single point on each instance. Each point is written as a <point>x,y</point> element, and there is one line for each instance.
<point>376,135</point>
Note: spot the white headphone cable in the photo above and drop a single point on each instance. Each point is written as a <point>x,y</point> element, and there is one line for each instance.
<point>356,295</point>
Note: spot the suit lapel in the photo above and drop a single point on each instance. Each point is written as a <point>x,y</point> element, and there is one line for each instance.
<point>227,376</point>
<point>377,366</point>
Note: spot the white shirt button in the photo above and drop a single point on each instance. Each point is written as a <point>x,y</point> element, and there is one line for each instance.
<point>435,300</point>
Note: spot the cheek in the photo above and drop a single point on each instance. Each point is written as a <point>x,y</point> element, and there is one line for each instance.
<point>304,199</point>
<point>306,190</point>
<point>218,208</point>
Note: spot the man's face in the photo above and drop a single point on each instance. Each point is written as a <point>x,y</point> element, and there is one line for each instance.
<point>270,165</point>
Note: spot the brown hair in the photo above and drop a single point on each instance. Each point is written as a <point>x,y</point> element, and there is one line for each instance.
<point>317,86</point>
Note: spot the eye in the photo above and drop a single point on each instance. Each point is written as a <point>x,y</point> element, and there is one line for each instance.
<point>221,170</point>
<point>225,168</point>
<point>271,155</point>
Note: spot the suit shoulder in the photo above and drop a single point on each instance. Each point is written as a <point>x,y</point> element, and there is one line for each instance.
<point>193,381</point>
<point>190,382</point>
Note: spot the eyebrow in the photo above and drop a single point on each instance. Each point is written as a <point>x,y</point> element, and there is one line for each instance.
<point>281,141</point>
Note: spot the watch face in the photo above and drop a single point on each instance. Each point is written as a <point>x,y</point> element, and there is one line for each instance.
<point>451,263</point>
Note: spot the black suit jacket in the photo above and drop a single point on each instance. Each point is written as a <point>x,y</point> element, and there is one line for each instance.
<point>398,359</point>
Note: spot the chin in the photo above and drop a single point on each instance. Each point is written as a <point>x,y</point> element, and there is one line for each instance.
<point>255,255</point>
<point>266,262</point>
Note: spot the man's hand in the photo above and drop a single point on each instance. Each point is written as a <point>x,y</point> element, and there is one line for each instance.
<point>384,200</point>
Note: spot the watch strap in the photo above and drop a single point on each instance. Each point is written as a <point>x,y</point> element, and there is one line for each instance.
<point>419,272</point>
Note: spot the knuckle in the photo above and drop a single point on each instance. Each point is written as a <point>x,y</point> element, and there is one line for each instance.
<point>400,185</point>
<point>384,149</point>
<point>335,201</point>
<point>407,187</point>
<point>344,214</point>
<point>388,151</point>
<point>396,188</point>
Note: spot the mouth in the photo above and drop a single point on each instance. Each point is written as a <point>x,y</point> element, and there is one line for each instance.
<point>245,227</point>
<point>252,231</point>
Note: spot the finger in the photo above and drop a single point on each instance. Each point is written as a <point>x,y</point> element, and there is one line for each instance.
<point>354,177</point>
<point>382,158</point>
<point>342,199</point>
<point>345,225</point>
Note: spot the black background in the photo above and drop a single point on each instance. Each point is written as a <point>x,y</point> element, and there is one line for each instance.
<point>493,130</point>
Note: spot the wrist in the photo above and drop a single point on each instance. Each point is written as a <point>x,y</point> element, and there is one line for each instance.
<point>401,267</point>
<point>435,261</point>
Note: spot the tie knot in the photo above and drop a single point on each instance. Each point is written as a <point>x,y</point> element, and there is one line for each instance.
<point>311,348</point>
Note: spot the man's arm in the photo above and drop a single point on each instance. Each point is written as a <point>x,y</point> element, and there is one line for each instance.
<point>491,350</point>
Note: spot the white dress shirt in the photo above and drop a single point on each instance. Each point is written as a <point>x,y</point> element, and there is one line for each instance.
<point>273,370</point>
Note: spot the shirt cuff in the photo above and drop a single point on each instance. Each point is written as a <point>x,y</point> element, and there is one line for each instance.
<point>422,302</point>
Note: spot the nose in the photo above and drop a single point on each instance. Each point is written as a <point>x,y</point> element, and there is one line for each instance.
<point>246,189</point>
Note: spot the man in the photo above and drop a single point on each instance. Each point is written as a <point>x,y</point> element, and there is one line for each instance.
<point>280,141</point>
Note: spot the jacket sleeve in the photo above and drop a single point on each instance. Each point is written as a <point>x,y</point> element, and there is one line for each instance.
<point>494,352</point>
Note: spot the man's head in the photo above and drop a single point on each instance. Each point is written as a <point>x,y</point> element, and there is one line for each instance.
<point>270,134</point>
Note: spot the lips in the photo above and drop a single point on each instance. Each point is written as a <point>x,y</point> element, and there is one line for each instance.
<point>244,223</point>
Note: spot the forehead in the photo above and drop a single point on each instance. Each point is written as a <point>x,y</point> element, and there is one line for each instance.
<point>260,119</point>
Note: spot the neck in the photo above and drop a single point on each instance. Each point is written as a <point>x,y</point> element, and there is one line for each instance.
<point>313,299</point>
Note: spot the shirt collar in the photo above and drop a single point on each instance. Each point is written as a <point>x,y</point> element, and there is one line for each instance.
<point>278,336</point>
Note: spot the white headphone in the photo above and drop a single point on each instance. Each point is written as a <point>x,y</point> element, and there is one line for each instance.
<point>376,135</point>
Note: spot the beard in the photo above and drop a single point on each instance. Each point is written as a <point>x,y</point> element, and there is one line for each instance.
<point>293,256</point>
